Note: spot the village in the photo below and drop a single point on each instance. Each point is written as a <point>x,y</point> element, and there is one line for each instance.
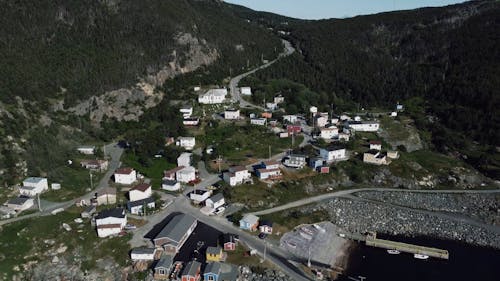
<point>170,253</point>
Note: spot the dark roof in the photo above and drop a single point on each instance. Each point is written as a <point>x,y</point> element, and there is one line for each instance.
<point>177,227</point>
<point>229,272</point>
<point>143,250</point>
<point>375,142</point>
<point>144,201</point>
<point>200,191</point>
<point>229,237</point>
<point>334,147</point>
<point>124,171</point>
<point>90,209</point>
<point>217,197</point>
<point>115,212</point>
<point>164,262</point>
<point>169,182</point>
<point>18,200</point>
<point>212,267</point>
<point>191,268</point>
<point>214,250</point>
<point>268,223</point>
<point>141,187</point>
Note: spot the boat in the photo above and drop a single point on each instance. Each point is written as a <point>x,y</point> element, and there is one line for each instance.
<point>393,252</point>
<point>420,256</point>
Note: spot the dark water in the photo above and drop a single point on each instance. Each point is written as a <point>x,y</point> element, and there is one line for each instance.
<point>466,263</point>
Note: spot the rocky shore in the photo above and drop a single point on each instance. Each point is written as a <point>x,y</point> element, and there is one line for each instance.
<point>361,216</point>
<point>258,274</point>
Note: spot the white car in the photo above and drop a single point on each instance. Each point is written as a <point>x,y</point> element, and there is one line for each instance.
<point>220,210</point>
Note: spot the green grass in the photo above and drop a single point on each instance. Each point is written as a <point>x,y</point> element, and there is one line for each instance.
<point>287,220</point>
<point>74,182</point>
<point>154,171</point>
<point>237,257</point>
<point>395,128</point>
<point>24,241</point>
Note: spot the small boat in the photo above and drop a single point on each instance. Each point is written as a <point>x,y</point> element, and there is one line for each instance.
<point>393,252</point>
<point>420,256</point>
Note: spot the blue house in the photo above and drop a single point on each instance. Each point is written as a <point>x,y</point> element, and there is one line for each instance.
<point>212,271</point>
<point>249,222</point>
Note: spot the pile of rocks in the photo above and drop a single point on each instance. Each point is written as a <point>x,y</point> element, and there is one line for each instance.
<point>261,274</point>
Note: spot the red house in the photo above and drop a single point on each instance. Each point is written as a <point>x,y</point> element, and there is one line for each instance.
<point>192,271</point>
<point>230,241</point>
<point>324,170</point>
<point>294,129</point>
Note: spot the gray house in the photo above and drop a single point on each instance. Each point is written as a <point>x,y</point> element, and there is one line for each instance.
<point>175,233</point>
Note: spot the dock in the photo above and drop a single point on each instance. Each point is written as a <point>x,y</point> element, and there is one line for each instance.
<point>373,241</point>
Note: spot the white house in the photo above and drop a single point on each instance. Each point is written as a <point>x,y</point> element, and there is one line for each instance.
<point>357,118</point>
<point>196,88</point>
<point>186,142</point>
<point>110,222</point>
<point>232,114</point>
<point>20,204</point>
<point>215,201</point>
<point>30,190</point>
<point>170,185</point>
<point>295,161</point>
<point>213,96</point>
<point>200,195</point>
<point>86,149</point>
<point>279,99</point>
<point>343,136</point>
<point>266,227</point>
<point>184,159</point>
<point>140,191</point>
<point>186,111</point>
<point>191,121</point>
<point>394,114</point>
<point>333,154</point>
<point>268,173</point>
<point>329,133</point>
<point>246,91</point>
<point>35,185</point>
<point>376,157</point>
<point>271,105</point>
<point>258,121</point>
<point>236,175</point>
<point>290,118</point>
<point>186,174</point>
<point>106,196</point>
<point>375,145</point>
<point>143,254</point>
<point>137,207</point>
<point>321,121</point>
<point>125,176</point>
<point>363,126</point>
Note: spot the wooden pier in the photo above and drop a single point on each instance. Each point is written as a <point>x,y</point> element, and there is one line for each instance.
<point>372,240</point>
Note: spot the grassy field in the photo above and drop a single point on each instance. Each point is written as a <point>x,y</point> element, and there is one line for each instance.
<point>395,127</point>
<point>154,171</point>
<point>288,220</point>
<point>239,257</point>
<point>23,241</point>
<point>74,180</point>
<point>429,161</point>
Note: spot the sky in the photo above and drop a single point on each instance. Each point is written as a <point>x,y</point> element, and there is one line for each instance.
<point>321,9</point>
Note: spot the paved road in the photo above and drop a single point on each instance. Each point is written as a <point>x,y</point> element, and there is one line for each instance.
<point>233,84</point>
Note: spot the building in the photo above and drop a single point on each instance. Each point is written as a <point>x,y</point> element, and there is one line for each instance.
<point>392,154</point>
<point>249,222</point>
<point>186,174</point>
<point>88,212</point>
<point>171,174</point>
<point>30,191</point>
<point>200,195</point>
<point>229,241</point>
<point>170,185</point>
<point>110,222</point>
<point>271,105</point>
<point>106,196</point>
<point>375,145</point>
<point>212,271</point>
<point>394,114</point>
<point>213,96</point>
<point>363,126</point>
<point>267,115</point>
<point>279,99</point>
<point>95,165</point>
<point>237,175</point>
<point>295,161</point>
<point>6,212</point>
<point>140,191</point>
<point>334,153</point>
<point>192,271</point>
<point>283,135</point>
<point>323,169</point>
<point>187,143</point>
<point>375,157</point>
<point>137,207</point>
<point>86,149</point>
<point>215,201</point>
<point>232,114</point>
<point>258,121</point>
<point>215,254</point>
<point>343,136</point>
<point>39,184</point>
<point>175,233</point>
<point>294,129</point>
<point>246,91</point>
<point>329,133</point>
<point>290,119</point>
<point>186,111</point>
<point>266,227</point>
<point>125,176</point>
<point>143,254</point>
<point>163,268</point>
<point>399,107</point>
<point>316,162</point>
<point>320,121</point>
<point>184,159</point>
<point>191,121</point>
<point>269,171</point>
<point>20,204</point>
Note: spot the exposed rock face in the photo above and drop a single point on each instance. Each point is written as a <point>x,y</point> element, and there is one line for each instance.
<point>129,104</point>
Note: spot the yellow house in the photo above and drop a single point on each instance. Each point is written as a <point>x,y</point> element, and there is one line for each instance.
<point>215,254</point>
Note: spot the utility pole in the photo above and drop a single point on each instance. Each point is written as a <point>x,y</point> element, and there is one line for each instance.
<point>269,152</point>
<point>91,183</point>
<point>265,250</point>
<point>219,159</point>
<point>39,203</point>
<point>309,258</point>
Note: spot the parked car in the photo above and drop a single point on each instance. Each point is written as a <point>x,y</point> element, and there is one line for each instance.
<point>262,235</point>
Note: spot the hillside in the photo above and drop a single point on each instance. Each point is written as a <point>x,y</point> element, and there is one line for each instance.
<point>442,63</point>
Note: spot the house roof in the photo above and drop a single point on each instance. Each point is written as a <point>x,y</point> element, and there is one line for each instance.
<point>232,110</point>
<point>115,213</point>
<point>177,227</point>
<point>173,171</point>
<point>124,171</point>
<point>18,200</point>
<point>191,268</point>
<point>375,142</point>
<point>250,218</point>
<point>267,223</point>
<point>111,225</point>
<point>334,147</point>
<point>169,182</point>
<point>145,201</point>
<point>34,179</point>
<point>106,191</point>
<point>217,197</point>
<point>212,267</point>
<point>269,163</point>
<point>27,187</point>
<point>141,187</point>
<point>200,191</point>
<point>229,272</point>
<point>86,147</point>
<point>267,170</point>
<point>186,138</point>
<point>143,251</point>
<point>214,250</point>
<point>165,262</point>
<point>90,209</point>
<point>186,170</point>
